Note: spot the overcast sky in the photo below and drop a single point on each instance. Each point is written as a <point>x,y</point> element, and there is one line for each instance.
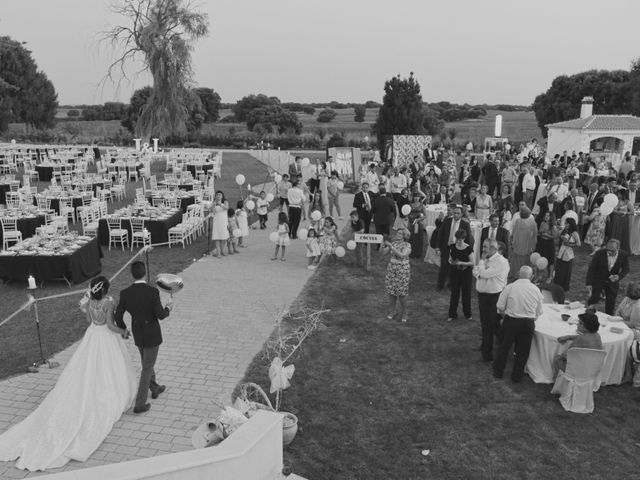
<point>475,51</point>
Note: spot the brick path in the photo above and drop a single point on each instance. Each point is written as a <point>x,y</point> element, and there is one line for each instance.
<point>220,320</point>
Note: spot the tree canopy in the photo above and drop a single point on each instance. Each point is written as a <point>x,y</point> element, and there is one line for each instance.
<point>163,32</point>
<point>26,94</point>
<point>401,111</point>
<point>243,106</point>
<point>264,119</point>
<point>613,93</point>
<point>210,103</point>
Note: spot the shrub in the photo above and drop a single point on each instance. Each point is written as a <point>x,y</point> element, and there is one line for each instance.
<point>73,113</point>
<point>359,112</point>
<point>231,118</point>
<point>336,140</point>
<point>326,115</point>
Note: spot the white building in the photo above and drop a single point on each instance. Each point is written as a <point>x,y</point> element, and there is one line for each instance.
<point>609,136</point>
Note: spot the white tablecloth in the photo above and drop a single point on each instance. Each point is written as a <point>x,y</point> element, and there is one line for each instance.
<point>550,326</point>
<point>432,212</point>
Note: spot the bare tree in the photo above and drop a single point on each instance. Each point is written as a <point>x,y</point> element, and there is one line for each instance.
<point>162,32</point>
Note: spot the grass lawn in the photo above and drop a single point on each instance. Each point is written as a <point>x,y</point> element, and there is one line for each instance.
<point>61,322</point>
<point>516,126</point>
<point>372,394</point>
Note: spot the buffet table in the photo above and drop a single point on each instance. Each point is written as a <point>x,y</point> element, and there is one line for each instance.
<point>545,346</point>
<point>76,267</point>
<point>159,229</point>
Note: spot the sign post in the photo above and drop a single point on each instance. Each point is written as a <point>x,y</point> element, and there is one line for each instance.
<point>368,238</point>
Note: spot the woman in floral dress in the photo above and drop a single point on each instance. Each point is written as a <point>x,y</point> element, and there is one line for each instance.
<point>396,281</point>
<point>595,235</point>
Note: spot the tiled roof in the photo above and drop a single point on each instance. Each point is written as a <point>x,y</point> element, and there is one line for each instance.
<point>601,122</point>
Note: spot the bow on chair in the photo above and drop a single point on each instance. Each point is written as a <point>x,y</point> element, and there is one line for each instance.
<point>280,375</point>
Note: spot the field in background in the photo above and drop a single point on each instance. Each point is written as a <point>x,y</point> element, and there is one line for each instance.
<point>517,126</point>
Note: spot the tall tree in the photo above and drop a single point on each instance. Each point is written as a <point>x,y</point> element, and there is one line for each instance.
<point>26,94</point>
<point>401,111</point>
<point>359,112</point>
<point>163,33</point>
<point>210,103</point>
<point>609,89</point>
<point>251,102</point>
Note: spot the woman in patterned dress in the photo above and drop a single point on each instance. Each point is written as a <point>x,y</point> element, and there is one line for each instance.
<point>396,281</point>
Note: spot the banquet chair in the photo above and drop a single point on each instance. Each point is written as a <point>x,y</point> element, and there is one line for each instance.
<point>89,225</point>
<point>67,210</point>
<point>580,379</point>
<point>30,170</point>
<point>119,190</point>
<point>158,202</point>
<point>13,199</point>
<point>180,232</point>
<point>10,232</point>
<point>153,182</point>
<point>117,233</point>
<point>139,234</point>
<point>133,173</point>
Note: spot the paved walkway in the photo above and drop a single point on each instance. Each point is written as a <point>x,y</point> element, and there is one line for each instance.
<point>220,321</point>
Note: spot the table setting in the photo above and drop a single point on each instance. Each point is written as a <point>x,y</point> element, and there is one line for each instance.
<point>158,221</point>
<point>561,320</point>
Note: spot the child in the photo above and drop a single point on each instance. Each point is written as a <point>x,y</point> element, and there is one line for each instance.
<point>329,239</point>
<point>232,226</point>
<point>313,249</point>
<point>283,189</point>
<point>243,223</point>
<point>355,225</point>
<point>333,189</point>
<point>283,235</point>
<point>262,208</point>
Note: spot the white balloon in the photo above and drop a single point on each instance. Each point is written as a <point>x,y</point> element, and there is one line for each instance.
<point>273,236</point>
<point>269,197</point>
<point>611,199</point>
<point>302,233</point>
<point>340,185</point>
<point>572,214</point>
<point>406,209</point>
<point>339,251</point>
<point>250,205</point>
<point>237,232</point>
<point>316,215</point>
<point>169,282</point>
<point>606,209</point>
<point>240,179</point>
<point>351,245</point>
<point>304,162</point>
<point>277,178</point>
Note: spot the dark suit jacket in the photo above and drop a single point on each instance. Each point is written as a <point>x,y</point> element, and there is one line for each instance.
<point>502,235</point>
<point>361,206</point>
<point>142,301</point>
<point>293,170</point>
<point>383,210</point>
<point>598,271</point>
<point>596,201</point>
<point>437,197</point>
<point>445,230</point>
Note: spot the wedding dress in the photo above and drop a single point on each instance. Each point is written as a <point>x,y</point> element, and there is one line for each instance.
<point>95,388</point>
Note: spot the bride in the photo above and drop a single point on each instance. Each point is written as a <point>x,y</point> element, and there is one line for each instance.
<point>96,387</point>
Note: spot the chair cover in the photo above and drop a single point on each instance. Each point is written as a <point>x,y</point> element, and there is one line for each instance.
<point>581,378</point>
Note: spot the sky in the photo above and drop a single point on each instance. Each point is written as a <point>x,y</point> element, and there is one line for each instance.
<point>464,51</point>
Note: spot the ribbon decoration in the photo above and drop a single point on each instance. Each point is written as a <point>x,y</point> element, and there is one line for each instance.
<point>280,375</point>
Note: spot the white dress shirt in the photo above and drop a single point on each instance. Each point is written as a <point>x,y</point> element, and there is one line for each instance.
<point>561,191</point>
<point>295,195</point>
<point>491,274</point>
<point>528,182</point>
<point>520,299</point>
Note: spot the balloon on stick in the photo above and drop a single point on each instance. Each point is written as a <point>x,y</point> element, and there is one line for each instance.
<point>606,209</point>
<point>269,197</point>
<point>535,256</point>
<point>351,245</point>
<point>302,233</point>
<point>273,236</point>
<point>611,199</point>
<point>340,185</point>
<point>406,209</point>
<point>304,162</point>
<point>316,215</point>
<point>240,179</point>
<point>339,251</point>
<point>277,178</point>
<point>572,214</point>
<point>237,232</point>
<point>542,263</point>
<point>250,204</point>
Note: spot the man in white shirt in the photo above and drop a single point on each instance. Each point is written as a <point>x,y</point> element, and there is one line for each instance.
<point>529,187</point>
<point>559,188</point>
<point>520,303</point>
<point>491,278</point>
<point>633,188</point>
<point>372,179</point>
<point>295,198</point>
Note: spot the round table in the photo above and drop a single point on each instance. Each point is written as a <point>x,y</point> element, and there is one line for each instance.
<point>545,346</point>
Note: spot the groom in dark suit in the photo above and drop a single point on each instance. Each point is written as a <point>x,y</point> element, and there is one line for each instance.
<point>142,301</point>
<point>608,266</point>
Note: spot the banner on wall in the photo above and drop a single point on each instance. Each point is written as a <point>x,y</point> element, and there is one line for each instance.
<point>400,149</point>
<point>346,161</point>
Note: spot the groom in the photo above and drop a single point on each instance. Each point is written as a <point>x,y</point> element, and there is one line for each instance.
<point>142,301</point>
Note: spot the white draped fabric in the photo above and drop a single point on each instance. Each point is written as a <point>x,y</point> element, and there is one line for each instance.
<point>545,346</point>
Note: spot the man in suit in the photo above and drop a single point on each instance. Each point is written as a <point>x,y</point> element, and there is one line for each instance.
<point>442,197</point>
<point>491,175</point>
<point>495,231</point>
<point>594,199</point>
<point>547,204</point>
<point>608,266</point>
<point>295,169</point>
<point>362,202</point>
<point>383,212</point>
<point>428,154</point>
<point>446,237</point>
<point>142,301</point>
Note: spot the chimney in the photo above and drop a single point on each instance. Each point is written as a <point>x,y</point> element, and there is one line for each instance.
<point>587,107</point>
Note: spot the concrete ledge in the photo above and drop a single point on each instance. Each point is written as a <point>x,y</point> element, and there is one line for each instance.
<point>253,452</point>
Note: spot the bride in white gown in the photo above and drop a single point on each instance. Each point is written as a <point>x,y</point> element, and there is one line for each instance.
<point>95,388</point>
